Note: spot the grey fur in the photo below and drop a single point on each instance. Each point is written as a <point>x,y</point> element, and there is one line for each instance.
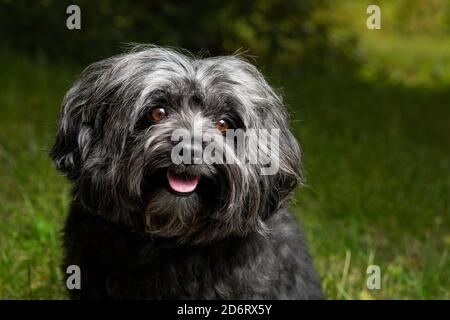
<point>238,217</point>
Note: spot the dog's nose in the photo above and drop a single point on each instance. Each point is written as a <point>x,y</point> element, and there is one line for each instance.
<point>195,152</point>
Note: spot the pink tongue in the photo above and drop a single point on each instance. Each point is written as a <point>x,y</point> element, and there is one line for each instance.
<point>180,184</point>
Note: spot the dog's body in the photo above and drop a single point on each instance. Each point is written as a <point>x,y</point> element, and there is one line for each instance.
<point>142,226</point>
<point>118,264</point>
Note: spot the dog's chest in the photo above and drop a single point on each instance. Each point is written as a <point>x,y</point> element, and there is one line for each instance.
<point>186,272</point>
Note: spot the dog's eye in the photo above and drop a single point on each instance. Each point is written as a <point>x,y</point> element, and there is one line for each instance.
<point>223,125</point>
<point>157,114</point>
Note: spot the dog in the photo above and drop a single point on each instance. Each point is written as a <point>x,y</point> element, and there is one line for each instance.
<point>143,227</point>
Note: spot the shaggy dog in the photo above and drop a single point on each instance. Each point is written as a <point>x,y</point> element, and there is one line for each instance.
<point>140,225</point>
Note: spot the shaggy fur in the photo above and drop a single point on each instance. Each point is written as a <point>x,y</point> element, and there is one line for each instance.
<point>232,238</point>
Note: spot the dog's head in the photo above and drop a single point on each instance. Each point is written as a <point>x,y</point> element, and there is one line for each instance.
<point>120,124</point>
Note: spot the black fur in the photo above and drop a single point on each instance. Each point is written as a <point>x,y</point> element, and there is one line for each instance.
<point>119,264</point>
<point>233,238</point>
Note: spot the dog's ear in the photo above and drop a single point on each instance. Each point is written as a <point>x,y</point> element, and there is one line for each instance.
<point>272,114</point>
<point>66,150</point>
<point>289,174</point>
<point>75,128</point>
<point>275,116</point>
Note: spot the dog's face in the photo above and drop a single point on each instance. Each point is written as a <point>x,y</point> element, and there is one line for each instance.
<point>116,139</point>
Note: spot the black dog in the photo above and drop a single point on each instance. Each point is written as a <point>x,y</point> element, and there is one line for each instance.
<point>144,226</point>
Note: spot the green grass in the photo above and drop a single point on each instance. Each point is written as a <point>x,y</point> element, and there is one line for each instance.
<point>33,196</point>
<point>376,155</point>
<point>377,162</point>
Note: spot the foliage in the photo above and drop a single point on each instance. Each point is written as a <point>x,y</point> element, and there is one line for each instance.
<point>281,33</point>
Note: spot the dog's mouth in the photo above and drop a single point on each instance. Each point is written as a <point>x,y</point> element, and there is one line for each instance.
<point>182,184</point>
<point>181,181</point>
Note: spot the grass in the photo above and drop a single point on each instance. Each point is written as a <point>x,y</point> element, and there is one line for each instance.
<point>376,156</point>
<point>378,167</point>
<point>33,196</point>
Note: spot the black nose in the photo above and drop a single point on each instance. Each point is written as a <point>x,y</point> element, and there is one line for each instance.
<point>194,151</point>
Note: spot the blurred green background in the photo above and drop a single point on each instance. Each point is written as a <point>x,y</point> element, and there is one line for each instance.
<point>371,109</point>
